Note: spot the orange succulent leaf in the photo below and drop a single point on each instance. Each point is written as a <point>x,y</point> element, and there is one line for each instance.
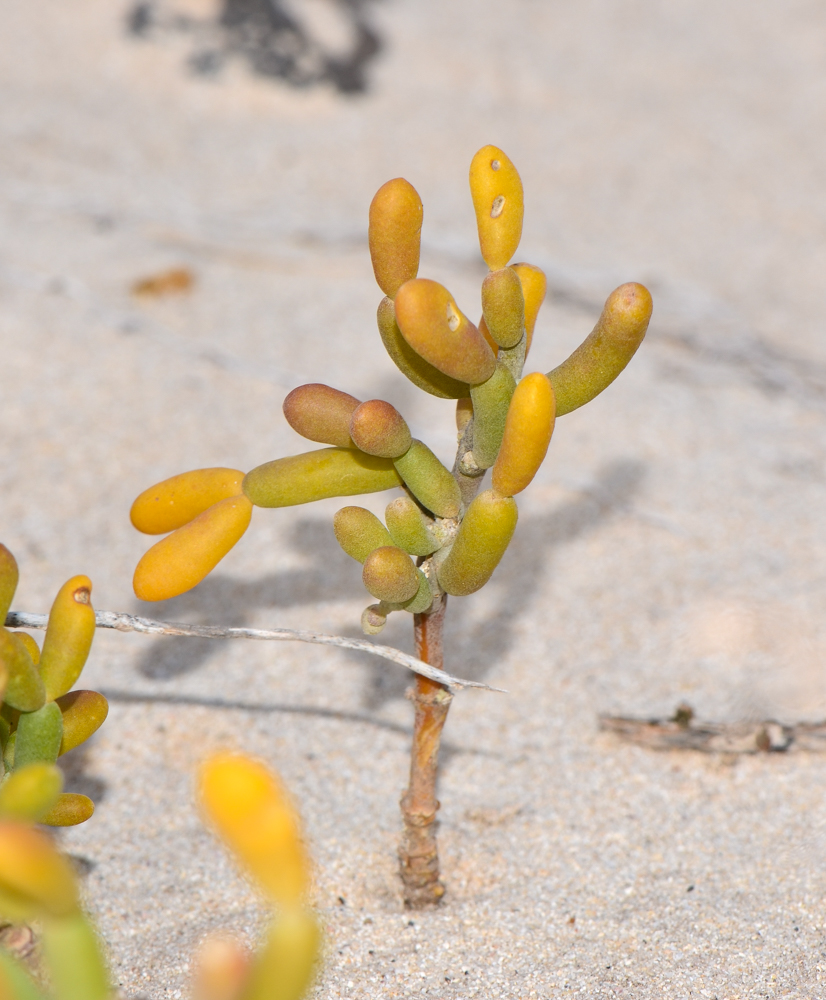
<point>395,234</point>
<point>35,880</point>
<point>250,809</point>
<point>180,561</point>
<point>180,499</point>
<point>437,330</point>
<point>528,429</point>
<point>534,290</point>
<point>320,413</point>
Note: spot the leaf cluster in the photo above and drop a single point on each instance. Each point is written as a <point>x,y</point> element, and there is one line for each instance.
<point>442,535</point>
<point>41,717</point>
<point>250,811</point>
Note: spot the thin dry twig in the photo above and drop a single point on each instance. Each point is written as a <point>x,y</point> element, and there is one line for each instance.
<point>683,732</point>
<point>132,623</point>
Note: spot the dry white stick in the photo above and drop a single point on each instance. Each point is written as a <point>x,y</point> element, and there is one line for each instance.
<point>131,623</point>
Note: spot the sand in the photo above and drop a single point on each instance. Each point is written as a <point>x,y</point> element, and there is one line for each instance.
<point>671,549</point>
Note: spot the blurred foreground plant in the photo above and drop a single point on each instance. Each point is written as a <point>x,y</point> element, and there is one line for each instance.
<point>37,885</point>
<point>251,812</point>
<point>441,536</point>
<point>41,717</point>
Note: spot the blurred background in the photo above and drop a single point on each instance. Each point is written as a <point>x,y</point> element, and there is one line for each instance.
<point>184,188</point>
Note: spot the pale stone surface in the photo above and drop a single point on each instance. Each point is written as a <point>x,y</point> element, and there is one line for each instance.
<point>672,547</point>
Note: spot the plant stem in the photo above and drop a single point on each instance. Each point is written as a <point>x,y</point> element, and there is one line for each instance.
<point>419,853</point>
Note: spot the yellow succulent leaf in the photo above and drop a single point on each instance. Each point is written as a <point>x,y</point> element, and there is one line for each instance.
<point>249,808</point>
<point>534,289</point>
<point>528,429</point>
<point>178,500</point>
<point>318,475</point>
<point>35,880</point>
<point>69,636</point>
<point>71,809</point>
<point>181,560</point>
<point>483,536</point>
<point>496,189</point>
<point>605,351</point>
<point>29,793</point>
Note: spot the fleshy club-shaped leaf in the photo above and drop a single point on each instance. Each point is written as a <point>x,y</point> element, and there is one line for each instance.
<point>8,749</point>
<point>606,351</point>
<point>69,636</point>
<point>464,412</point>
<point>409,528</point>
<point>24,687</point>
<point>222,968</point>
<point>422,599</point>
<point>84,712</point>
<point>358,531</point>
<point>395,234</point>
<point>9,575</point>
<point>31,646</point>
<point>534,288</point>
<point>35,881</point>
<point>374,618</point>
<point>73,956</point>
<point>389,575</point>
<point>250,810</point>
<point>503,305</point>
<point>316,475</point>
<point>38,736</point>
<point>483,536</point>
<point>71,809</point>
<point>429,481</point>
<point>496,189</point>
<point>30,792</point>
<point>378,428</point>
<point>483,329</point>
<point>412,365</point>
<point>528,431</point>
<point>320,413</point>
<point>490,409</point>
<point>285,966</point>
<point>436,329</point>
<point>177,501</point>
<point>180,561</point>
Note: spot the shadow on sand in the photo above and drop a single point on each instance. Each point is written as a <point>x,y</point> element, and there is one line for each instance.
<point>284,41</point>
<point>329,575</point>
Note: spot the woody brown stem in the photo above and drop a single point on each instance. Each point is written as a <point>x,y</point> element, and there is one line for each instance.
<point>419,853</point>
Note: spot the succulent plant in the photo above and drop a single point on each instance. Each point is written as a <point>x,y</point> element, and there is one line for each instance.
<point>441,536</point>
<point>250,810</point>
<point>38,884</point>
<point>41,717</point>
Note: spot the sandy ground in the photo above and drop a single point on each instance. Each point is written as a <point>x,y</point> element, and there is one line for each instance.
<point>672,548</point>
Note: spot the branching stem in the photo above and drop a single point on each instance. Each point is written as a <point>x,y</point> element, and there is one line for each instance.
<point>419,852</point>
